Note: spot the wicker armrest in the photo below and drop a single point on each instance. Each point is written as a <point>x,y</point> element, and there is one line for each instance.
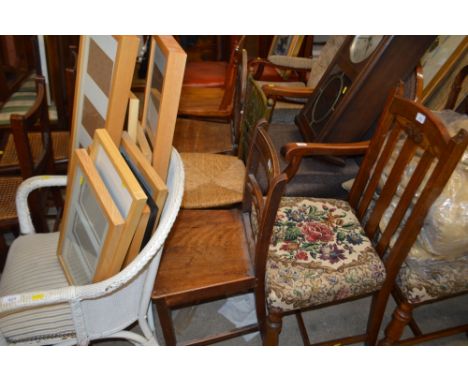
<point>29,185</point>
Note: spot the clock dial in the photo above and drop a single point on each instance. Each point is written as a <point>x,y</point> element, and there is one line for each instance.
<point>362,47</point>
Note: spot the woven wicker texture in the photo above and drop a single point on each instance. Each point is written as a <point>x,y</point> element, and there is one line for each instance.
<point>8,187</point>
<point>212,180</point>
<point>60,140</point>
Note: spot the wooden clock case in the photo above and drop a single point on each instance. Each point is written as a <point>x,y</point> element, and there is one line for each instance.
<point>349,98</point>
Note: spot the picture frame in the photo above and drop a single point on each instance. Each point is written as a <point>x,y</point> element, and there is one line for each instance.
<point>91,224</point>
<point>446,56</point>
<point>154,187</point>
<point>125,190</point>
<point>104,75</point>
<point>166,65</point>
<point>286,45</point>
<point>135,129</point>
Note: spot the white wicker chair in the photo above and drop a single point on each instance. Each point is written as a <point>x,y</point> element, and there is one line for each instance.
<point>38,307</point>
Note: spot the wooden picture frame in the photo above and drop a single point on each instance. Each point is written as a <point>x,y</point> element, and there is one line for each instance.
<point>125,190</point>
<point>285,45</point>
<point>155,189</point>
<point>166,65</point>
<point>104,75</point>
<point>135,129</point>
<point>91,225</point>
<point>446,56</point>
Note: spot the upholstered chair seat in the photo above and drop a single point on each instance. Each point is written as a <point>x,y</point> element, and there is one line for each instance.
<point>319,254</point>
<point>424,280</point>
<point>33,265</point>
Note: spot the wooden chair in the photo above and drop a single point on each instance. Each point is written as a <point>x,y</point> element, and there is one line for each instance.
<point>215,253</point>
<point>217,180</point>
<point>36,119</point>
<point>436,268</point>
<point>325,251</point>
<point>313,68</point>
<point>208,74</point>
<point>195,135</point>
<point>210,102</point>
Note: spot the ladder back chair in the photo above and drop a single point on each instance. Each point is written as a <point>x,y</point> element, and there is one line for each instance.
<point>217,180</point>
<point>211,254</point>
<point>326,251</point>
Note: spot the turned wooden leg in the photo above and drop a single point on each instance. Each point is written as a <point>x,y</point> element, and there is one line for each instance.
<point>400,318</point>
<point>377,311</point>
<point>274,324</point>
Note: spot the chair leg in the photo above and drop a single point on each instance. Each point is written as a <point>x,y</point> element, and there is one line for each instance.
<point>165,319</point>
<point>400,318</point>
<point>260,308</point>
<point>377,311</point>
<point>274,324</point>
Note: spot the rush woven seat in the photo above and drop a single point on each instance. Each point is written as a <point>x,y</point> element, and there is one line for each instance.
<point>212,180</point>
<point>60,140</point>
<point>8,187</point>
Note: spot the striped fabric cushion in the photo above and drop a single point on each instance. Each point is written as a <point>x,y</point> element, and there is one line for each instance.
<point>31,265</point>
<point>20,102</point>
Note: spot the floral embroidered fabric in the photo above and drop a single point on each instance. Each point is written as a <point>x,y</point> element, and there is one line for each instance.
<point>318,254</point>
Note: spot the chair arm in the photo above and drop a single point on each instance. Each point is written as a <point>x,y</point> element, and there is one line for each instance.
<point>275,91</point>
<point>294,152</point>
<point>29,185</point>
<point>257,65</point>
<point>289,62</point>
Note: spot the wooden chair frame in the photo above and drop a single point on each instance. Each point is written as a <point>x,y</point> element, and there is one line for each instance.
<point>242,268</point>
<point>159,120</point>
<point>104,75</point>
<point>423,131</point>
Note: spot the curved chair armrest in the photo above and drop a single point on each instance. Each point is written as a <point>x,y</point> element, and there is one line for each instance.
<point>29,185</point>
<point>257,65</point>
<point>275,91</point>
<point>294,152</point>
<point>289,62</point>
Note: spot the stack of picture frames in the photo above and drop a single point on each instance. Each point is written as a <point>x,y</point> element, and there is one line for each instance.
<point>113,203</point>
<point>116,189</point>
<point>154,134</point>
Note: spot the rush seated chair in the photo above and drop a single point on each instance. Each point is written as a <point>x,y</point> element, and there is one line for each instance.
<point>326,251</point>
<point>39,307</point>
<point>211,254</point>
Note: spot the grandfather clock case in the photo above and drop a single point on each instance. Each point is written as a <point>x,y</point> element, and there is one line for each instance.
<point>349,98</point>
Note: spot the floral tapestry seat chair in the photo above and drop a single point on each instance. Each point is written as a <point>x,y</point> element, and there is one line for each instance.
<point>328,251</point>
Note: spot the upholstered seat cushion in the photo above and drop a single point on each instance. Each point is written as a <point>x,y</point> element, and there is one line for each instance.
<point>319,254</point>
<point>425,280</point>
<point>32,265</point>
<point>212,180</point>
<point>19,103</point>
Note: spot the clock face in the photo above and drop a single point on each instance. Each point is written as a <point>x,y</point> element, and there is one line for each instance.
<point>362,47</point>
